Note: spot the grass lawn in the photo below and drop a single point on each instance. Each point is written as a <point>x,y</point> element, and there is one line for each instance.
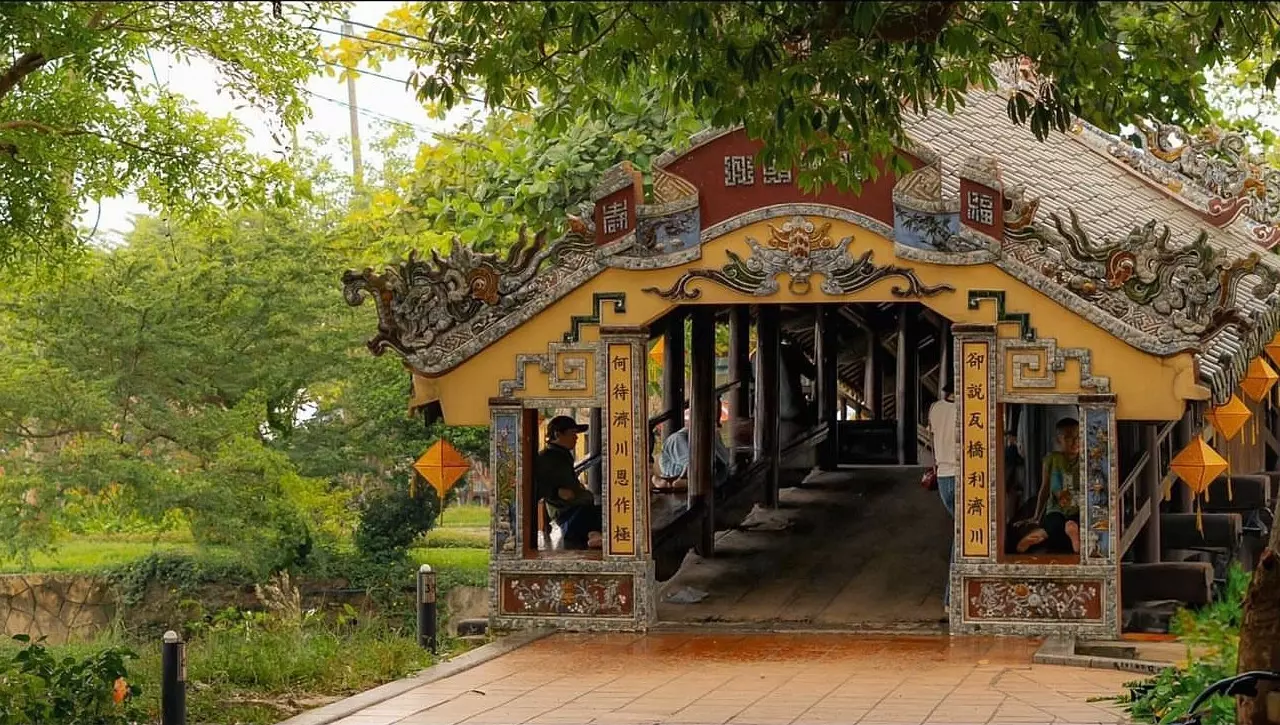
<point>95,552</point>
<point>471,516</point>
<point>460,559</point>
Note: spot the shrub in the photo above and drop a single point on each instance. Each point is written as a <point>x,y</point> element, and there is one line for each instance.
<point>37,687</point>
<point>392,519</point>
<point>1214,629</point>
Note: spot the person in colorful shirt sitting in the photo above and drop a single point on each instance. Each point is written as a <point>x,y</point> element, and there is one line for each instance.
<point>1059,499</point>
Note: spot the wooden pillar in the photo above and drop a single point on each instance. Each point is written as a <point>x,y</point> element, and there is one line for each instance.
<point>767,389</point>
<point>907,381</point>
<point>740,370</point>
<point>1183,432</point>
<point>946,361</point>
<point>873,384</point>
<point>1151,476</point>
<point>595,446</point>
<point>825,355</point>
<point>673,372</point>
<point>702,424</point>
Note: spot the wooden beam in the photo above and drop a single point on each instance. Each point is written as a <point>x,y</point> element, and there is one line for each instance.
<point>907,382</point>
<point>1182,499</point>
<point>703,413</point>
<point>595,446</point>
<point>767,389</point>
<point>946,361</point>
<point>873,384</point>
<point>673,372</point>
<point>824,341</point>
<point>739,369</point>
<point>1151,478</point>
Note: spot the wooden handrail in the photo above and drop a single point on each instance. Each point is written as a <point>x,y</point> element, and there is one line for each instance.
<point>667,415</point>
<point>1133,529</point>
<point>1136,473</point>
<point>587,463</point>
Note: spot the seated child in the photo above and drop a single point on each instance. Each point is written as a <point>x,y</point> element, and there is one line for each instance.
<point>1059,501</point>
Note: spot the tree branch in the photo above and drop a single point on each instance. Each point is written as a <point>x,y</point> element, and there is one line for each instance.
<point>25,65</point>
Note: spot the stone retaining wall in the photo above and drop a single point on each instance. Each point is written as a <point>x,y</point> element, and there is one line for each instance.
<point>72,608</point>
<point>59,607</point>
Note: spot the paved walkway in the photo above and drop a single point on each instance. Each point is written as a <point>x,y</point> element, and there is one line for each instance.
<point>759,679</point>
<point>831,556</point>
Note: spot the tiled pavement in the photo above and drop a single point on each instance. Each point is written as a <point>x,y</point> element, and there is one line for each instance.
<point>758,679</point>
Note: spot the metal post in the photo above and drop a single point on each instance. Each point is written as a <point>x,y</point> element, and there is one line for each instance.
<point>427,608</point>
<point>173,680</point>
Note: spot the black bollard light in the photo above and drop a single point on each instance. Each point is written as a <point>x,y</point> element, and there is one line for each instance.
<point>427,608</point>
<point>173,680</point>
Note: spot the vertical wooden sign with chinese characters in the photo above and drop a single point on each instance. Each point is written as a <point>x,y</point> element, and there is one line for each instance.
<point>975,421</point>
<point>621,478</point>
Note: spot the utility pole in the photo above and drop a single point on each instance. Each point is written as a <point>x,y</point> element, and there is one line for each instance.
<point>357,169</point>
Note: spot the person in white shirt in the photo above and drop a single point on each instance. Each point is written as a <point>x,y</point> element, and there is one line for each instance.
<point>942,429</point>
<point>674,461</point>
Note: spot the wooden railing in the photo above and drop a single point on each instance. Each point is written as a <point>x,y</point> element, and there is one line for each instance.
<point>1137,502</point>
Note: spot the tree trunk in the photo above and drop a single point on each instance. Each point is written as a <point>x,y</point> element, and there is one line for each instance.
<point>1260,634</point>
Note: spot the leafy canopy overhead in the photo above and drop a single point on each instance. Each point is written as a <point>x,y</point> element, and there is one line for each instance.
<point>78,124</point>
<point>810,78</point>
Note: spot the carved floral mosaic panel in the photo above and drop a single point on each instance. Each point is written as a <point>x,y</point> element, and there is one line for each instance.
<point>1033,599</point>
<point>1097,467</point>
<point>506,454</point>
<point>567,595</point>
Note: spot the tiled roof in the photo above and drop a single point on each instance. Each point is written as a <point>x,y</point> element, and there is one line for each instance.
<point>1080,171</point>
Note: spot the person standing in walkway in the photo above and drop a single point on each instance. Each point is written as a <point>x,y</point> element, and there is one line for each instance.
<point>942,430</point>
<point>570,504</point>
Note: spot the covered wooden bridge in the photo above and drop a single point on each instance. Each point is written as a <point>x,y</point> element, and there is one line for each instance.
<point>1126,288</point>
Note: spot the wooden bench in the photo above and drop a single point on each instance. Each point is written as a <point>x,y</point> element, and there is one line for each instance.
<point>1189,582</point>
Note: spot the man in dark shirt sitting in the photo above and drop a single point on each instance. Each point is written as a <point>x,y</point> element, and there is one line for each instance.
<point>569,502</point>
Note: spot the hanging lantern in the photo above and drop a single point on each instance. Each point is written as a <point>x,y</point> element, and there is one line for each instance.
<point>1273,349</point>
<point>1198,465</point>
<point>442,465</point>
<point>1229,418</point>
<point>1258,379</point>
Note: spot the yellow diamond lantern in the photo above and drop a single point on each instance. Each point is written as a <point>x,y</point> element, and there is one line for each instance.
<point>658,352</point>
<point>442,465</point>
<point>1198,465</point>
<point>1229,417</point>
<point>1258,379</point>
<point>1273,349</point>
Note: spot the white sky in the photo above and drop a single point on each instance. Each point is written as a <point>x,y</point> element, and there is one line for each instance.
<point>374,96</point>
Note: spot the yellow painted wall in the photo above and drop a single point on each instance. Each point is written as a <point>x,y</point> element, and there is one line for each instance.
<point>1147,387</point>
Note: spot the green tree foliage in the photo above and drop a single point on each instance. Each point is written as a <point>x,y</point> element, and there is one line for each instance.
<point>810,78</point>
<point>489,177</point>
<point>161,368</point>
<point>77,124</point>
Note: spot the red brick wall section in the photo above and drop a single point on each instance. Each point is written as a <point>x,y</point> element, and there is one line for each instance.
<point>731,181</point>
<point>981,208</point>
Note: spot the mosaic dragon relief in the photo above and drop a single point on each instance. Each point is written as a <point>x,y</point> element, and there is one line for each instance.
<point>1222,162</point>
<point>800,249</point>
<point>436,312</point>
<point>1177,293</point>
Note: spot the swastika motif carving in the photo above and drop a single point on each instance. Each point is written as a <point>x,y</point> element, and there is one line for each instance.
<point>981,208</point>
<point>615,216</point>
<point>739,171</point>
<point>773,176</point>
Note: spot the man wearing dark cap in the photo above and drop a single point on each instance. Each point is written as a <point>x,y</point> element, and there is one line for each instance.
<point>569,502</point>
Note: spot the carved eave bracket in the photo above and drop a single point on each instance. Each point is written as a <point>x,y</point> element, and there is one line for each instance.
<point>437,312</point>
